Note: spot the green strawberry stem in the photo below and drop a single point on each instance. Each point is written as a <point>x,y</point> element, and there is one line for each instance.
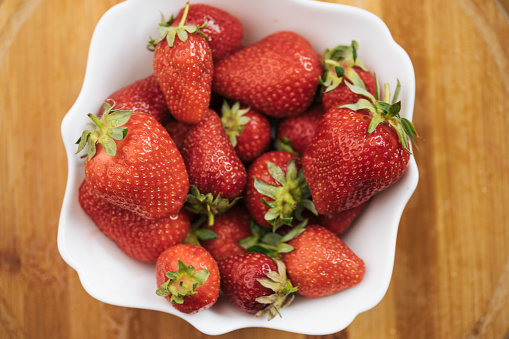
<point>283,291</point>
<point>166,30</point>
<point>385,111</point>
<point>289,198</point>
<point>207,204</point>
<point>182,283</point>
<point>109,128</point>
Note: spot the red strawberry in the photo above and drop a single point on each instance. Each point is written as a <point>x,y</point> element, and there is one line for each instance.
<point>188,277</point>
<point>139,238</point>
<point>248,130</point>
<point>340,222</point>
<point>178,131</point>
<point>183,65</point>
<point>224,31</point>
<point>230,228</point>
<point>213,166</point>
<point>135,164</point>
<point>342,65</point>
<point>256,284</point>
<point>298,132</point>
<point>277,75</point>
<point>276,190</point>
<point>321,263</point>
<point>358,150</point>
<point>142,96</point>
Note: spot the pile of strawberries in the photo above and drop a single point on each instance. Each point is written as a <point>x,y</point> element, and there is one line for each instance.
<point>236,168</point>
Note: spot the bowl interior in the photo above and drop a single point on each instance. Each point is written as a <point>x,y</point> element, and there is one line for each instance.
<point>118,56</point>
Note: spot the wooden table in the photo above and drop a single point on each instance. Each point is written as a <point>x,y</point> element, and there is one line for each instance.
<point>451,275</point>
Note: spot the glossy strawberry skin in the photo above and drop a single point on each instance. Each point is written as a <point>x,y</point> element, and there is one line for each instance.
<point>340,222</point>
<point>184,72</point>
<point>345,166</point>
<point>254,140</point>
<point>342,95</point>
<point>207,294</point>
<point>211,161</point>
<point>258,170</point>
<point>230,228</point>
<point>224,31</point>
<point>139,238</point>
<point>277,75</point>
<point>178,131</point>
<point>300,130</point>
<point>321,263</point>
<point>142,96</point>
<point>238,279</point>
<point>146,176</point>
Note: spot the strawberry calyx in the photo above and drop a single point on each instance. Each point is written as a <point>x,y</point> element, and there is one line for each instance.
<point>339,62</point>
<point>283,292</point>
<point>290,197</point>
<point>108,129</point>
<point>207,204</point>
<point>182,31</point>
<point>182,283</point>
<point>263,240</point>
<point>385,110</point>
<point>233,120</point>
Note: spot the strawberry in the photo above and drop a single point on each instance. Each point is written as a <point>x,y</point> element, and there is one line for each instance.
<point>230,228</point>
<point>340,222</point>
<point>183,66</point>
<point>321,263</point>
<point>248,130</point>
<point>188,277</point>
<point>133,163</point>
<point>142,96</point>
<point>177,131</point>
<point>224,31</point>
<point>256,284</point>
<point>341,66</point>
<point>139,238</point>
<point>296,133</point>
<point>358,150</point>
<point>276,190</point>
<point>216,173</point>
<point>277,75</point>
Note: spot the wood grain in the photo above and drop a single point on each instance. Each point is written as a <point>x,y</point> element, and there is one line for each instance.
<point>451,275</point>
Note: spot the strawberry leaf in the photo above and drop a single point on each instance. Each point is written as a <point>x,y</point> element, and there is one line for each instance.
<point>361,104</point>
<point>182,35</point>
<point>361,91</point>
<point>394,110</point>
<point>375,121</point>
<point>277,173</point>
<point>396,92</point>
<point>266,189</point>
<point>340,71</point>
<point>118,133</point>
<point>205,234</point>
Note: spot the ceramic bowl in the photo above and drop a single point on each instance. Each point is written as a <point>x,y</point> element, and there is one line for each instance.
<point>118,56</point>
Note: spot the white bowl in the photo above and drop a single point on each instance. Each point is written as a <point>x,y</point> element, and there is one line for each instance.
<point>118,57</point>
